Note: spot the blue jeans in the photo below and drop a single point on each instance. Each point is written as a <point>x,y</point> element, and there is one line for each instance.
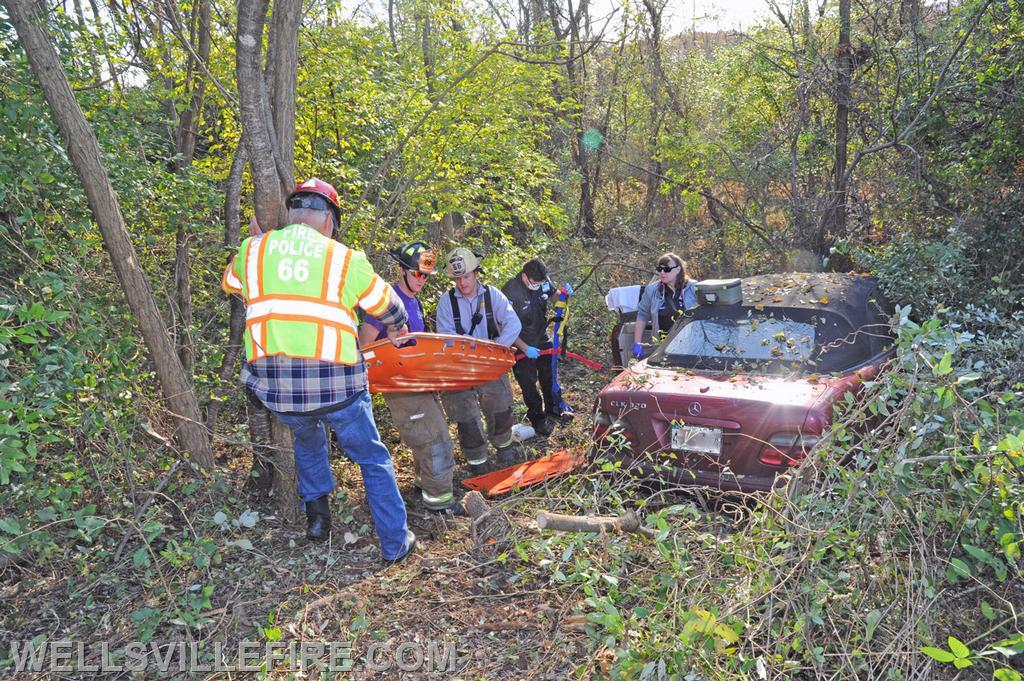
<point>358,437</point>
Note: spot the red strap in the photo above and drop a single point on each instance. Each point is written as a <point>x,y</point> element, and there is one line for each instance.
<point>568,353</point>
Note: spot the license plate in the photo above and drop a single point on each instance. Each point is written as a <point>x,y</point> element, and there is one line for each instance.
<point>697,439</point>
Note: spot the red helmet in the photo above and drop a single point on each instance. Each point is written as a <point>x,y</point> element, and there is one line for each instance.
<point>317,186</point>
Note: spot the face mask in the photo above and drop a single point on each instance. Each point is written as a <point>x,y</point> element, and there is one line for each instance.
<point>533,287</point>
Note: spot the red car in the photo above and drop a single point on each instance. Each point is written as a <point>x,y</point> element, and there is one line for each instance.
<point>736,394</point>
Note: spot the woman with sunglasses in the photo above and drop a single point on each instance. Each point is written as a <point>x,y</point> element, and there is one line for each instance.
<point>417,416</point>
<point>661,304</point>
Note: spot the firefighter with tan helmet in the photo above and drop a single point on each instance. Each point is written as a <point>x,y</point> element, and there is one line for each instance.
<point>301,289</point>
<point>475,309</point>
<point>418,416</point>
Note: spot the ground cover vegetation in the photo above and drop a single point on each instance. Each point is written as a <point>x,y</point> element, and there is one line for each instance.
<point>869,136</point>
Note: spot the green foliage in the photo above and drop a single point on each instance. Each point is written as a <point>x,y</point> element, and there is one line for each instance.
<point>426,119</point>
<point>919,271</point>
<point>382,124</point>
<point>818,580</point>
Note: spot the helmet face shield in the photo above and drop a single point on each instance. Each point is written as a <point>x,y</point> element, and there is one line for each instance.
<point>307,192</point>
<point>310,201</point>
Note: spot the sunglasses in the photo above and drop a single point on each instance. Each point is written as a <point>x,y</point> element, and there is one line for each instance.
<point>417,274</point>
<point>665,268</point>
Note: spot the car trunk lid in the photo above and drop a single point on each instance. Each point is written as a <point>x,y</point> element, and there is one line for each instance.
<point>716,423</point>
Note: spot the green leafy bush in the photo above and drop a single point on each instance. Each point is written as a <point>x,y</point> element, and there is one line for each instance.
<point>926,518</point>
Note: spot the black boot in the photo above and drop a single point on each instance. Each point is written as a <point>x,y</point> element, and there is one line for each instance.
<point>510,455</point>
<point>318,519</point>
<point>542,426</point>
<point>480,468</point>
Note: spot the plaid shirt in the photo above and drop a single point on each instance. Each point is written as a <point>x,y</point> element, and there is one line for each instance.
<point>289,384</point>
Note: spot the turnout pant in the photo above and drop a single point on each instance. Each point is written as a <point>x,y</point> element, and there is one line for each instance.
<point>359,439</point>
<point>490,402</point>
<point>528,372</point>
<point>423,429</point>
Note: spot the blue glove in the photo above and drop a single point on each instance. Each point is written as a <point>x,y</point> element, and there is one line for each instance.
<point>531,352</point>
<point>568,288</point>
<point>638,350</point>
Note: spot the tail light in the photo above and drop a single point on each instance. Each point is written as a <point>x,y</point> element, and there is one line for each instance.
<point>787,449</point>
<point>605,424</point>
<point>602,422</point>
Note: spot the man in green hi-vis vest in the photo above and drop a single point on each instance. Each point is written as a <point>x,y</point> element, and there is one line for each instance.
<point>301,289</point>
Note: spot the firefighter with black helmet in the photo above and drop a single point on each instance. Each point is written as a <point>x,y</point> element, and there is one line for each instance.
<point>418,416</point>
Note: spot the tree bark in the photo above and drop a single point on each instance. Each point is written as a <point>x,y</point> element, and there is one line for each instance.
<point>187,133</point>
<point>257,122</point>
<point>283,84</point>
<point>629,522</point>
<point>29,17</point>
<point>183,297</point>
<point>236,319</point>
<point>835,217</point>
<point>268,123</point>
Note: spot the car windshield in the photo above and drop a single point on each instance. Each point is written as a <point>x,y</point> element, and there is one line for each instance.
<point>768,340</point>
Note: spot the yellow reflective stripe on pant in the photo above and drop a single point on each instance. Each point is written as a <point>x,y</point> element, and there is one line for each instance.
<point>470,409</point>
<point>438,501</point>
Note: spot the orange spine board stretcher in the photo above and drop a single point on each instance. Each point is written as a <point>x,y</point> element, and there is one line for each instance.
<point>428,362</point>
<point>524,474</point>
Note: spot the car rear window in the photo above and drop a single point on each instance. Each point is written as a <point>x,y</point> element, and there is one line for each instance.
<point>747,338</point>
<point>769,340</point>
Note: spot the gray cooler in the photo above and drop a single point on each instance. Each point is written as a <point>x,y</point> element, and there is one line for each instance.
<point>719,292</point>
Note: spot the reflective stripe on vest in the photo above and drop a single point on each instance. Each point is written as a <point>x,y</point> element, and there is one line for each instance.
<point>374,299</point>
<point>300,288</point>
<point>230,282</point>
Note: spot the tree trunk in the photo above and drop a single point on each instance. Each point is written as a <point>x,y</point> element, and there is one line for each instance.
<point>628,522</point>
<point>261,475</point>
<point>29,17</point>
<point>236,319</point>
<point>575,82</point>
<point>257,122</point>
<point>265,128</point>
<point>283,84</point>
<point>187,133</point>
<point>426,47</point>
<point>835,218</point>
<point>183,297</point>
<point>391,25</point>
<point>94,64</point>
<point>114,79</point>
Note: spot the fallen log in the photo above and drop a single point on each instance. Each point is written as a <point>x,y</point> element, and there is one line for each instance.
<point>630,522</point>
<point>475,505</point>
<point>490,525</point>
